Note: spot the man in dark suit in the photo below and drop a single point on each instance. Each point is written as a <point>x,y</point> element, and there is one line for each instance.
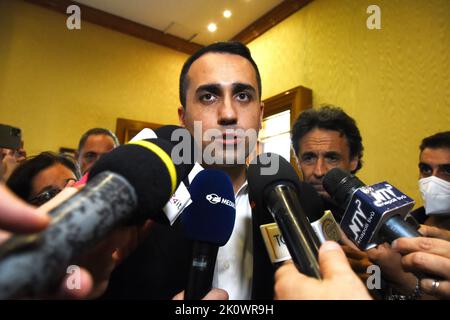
<point>220,90</point>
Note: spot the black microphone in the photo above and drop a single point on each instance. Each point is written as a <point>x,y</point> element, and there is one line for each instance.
<point>131,182</point>
<point>209,222</point>
<point>274,186</point>
<point>186,149</point>
<point>373,214</point>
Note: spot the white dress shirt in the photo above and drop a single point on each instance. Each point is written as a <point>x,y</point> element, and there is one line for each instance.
<point>234,265</point>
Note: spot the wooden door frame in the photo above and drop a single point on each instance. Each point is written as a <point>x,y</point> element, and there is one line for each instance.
<point>295,100</point>
<point>123,126</point>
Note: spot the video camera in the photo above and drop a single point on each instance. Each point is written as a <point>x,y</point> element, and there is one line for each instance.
<point>10,137</point>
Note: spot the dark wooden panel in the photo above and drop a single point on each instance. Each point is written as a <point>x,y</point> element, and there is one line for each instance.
<point>127,129</point>
<point>296,100</point>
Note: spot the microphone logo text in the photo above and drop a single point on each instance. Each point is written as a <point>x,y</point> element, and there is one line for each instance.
<point>385,196</point>
<point>360,222</point>
<point>215,199</point>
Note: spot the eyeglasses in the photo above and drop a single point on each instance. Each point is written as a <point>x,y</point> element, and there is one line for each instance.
<point>43,197</point>
<point>47,194</point>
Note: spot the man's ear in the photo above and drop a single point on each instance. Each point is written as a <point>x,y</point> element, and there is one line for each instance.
<point>262,115</point>
<point>354,163</point>
<point>181,116</point>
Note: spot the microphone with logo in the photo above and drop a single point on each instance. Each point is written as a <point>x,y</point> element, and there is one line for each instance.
<point>209,222</point>
<point>277,192</point>
<point>373,214</point>
<point>116,193</point>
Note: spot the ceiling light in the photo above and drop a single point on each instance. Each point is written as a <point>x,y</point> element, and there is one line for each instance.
<point>212,27</point>
<point>227,13</point>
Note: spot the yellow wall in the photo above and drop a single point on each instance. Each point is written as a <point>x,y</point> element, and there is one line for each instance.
<point>395,81</point>
<point>56,83</point>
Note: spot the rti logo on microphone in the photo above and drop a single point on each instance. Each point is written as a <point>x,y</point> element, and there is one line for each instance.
<point>215,199</point>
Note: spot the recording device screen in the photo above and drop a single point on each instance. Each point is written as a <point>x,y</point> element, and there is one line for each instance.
<point>10,137</point>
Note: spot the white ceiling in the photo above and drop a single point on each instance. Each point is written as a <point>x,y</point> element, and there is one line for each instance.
<point>188,19</point>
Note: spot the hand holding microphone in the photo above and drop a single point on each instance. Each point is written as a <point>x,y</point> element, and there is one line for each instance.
<point>430,256</point>
<point>338,282</point>
<point>434,232</point>
<point>19,217</point>
<point>116,193</point>
<point>389,260</point>
<point>293,205</point>
<point>373,214</point>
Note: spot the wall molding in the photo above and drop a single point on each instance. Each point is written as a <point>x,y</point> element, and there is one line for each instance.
<point>110,21</point>
<point>122,25</point>
<point>270,20</point>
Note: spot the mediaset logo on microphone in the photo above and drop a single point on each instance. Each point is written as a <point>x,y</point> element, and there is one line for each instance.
<point>215,199</point>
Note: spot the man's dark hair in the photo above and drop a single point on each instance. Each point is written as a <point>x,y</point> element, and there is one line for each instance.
<point>20,181</point>
<point>96,131</point>
<point>229,47</point>
<point>438,140</point>
<point>329,117</point>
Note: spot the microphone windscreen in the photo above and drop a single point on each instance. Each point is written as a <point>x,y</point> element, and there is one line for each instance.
<point>340,185</point>
<point>181,137</point>
<point>282,171</point>
<point>165,132</point>
<point>149,170</point>
<point>211,215</point>
<point>269,168</point>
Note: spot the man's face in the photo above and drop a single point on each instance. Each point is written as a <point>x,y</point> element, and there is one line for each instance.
<point>222,94</point>
<point>95,146</point>
<point>435,162</point>
<point>320,151</point>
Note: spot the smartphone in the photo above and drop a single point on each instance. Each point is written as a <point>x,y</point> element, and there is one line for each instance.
<point>10,137</point>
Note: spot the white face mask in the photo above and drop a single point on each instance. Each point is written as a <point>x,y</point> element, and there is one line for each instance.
<point>436,194</point>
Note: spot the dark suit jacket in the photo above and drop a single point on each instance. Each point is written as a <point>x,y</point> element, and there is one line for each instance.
<point>158,268</point>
